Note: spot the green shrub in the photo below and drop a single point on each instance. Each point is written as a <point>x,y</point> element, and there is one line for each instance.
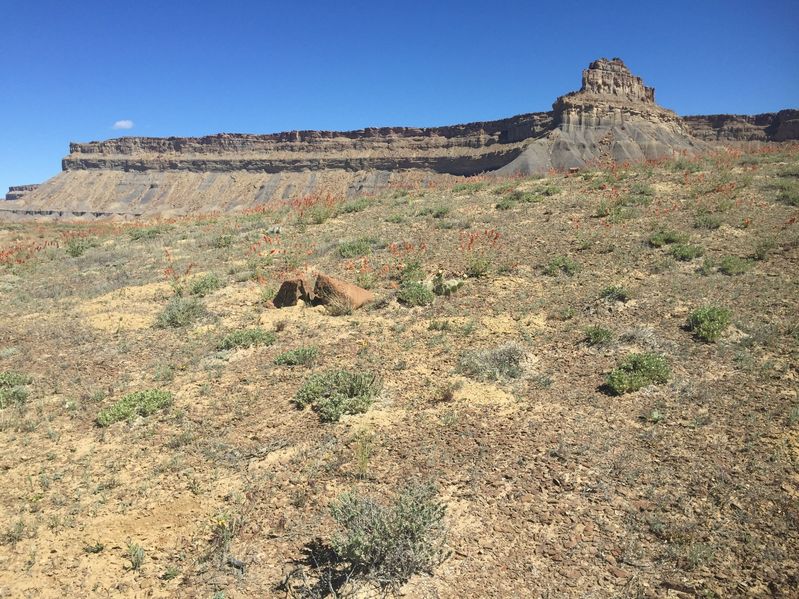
<point>596,335</point>
<point>179,312</point>
<point>148,232</point>
<point>139,403</point>
<point>686,252</point>
<point>222,241</point>
<point>302,356</point>
<point>733,265</point>
<point>13,388</point>
<point>705,220</point>
<point>412,271</point>
<point>355,249</point>
<point>415,293</point>
<point>640,194</point>
<point>467,187</point>
<point>204,284</point>
<point>355,206</point>
<point>76,246</point>
<point>246,338</point>
<point>506,203</point>
<point>503,362</point>
<point>763,248</point>
<point>709,322</point>
<point>615,293</point>
<point>663,237</point>
<point>478,266</point>
<point>385,546</point>
<point>637,371</point>
<point>334,393</point>
<point>561,264</point>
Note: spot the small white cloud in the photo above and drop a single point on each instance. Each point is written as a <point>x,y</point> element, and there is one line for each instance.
<point>123,124</point>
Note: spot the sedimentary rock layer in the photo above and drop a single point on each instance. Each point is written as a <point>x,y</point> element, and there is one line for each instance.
<point>770,126</point>
<point>612,117</point>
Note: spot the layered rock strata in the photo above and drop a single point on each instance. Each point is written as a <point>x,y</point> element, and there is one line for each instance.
<point>612,117</point>
<point>17,192</point>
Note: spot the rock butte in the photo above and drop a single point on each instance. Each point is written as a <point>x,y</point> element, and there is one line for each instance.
<point>612,117</point>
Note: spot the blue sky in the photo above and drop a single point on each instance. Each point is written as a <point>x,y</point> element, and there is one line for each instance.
<point>70,70</point>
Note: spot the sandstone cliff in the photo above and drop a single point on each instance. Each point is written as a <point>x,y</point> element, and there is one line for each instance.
<point>612,117</point>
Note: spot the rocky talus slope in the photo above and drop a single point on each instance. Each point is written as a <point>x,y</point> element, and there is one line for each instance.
<point>612,117</point>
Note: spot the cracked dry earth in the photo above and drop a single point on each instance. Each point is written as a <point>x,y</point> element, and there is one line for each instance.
<point>553,487</point>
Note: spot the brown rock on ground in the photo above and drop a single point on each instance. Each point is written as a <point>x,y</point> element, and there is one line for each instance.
<point>330,290</point>
<point>291,291</point>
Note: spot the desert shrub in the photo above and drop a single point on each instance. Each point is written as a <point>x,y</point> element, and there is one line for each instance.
<point>503,362</point>
<point>561,264</point>
<point>636,371</point>
<point>204,284</point>
<point>415,293</point>
<point>467,187</point>
<point>478,266</point>
<point>13,388</point>
<point>179,312</point>
<point>355,249</point>
<point>685,252</point>
<point>412,271</point>
<point>77,246</point>
<point>246,338</point>
<point>302,356</point>
<point>397,219</point>
<point>615,293</point>
<point>663,237</point>
<point>640,194</point>
<point>505,203</point>
<point>334,393</point>
<point>763,248</point>
<point>733,265</point>
<point>386,545</point>
<point>138,403</point>
<point>709,322</point>
<point>437,211</point>
<point>148,232</point>
<point>788,189</point>
<point>596,335</point>
<point>354,206</point>
<point>222,241</point>
<point>705,220</point>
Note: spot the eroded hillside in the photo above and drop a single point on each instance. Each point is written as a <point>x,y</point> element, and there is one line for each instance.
<point>151,442</point>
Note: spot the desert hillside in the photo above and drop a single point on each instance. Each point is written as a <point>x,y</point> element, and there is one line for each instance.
<point>577,384</point>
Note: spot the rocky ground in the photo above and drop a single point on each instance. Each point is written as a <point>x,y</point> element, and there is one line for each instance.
<point>553,485</point>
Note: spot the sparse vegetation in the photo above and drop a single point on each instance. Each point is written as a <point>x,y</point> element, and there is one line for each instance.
<point>733,265</point>
<point>242,338</point>
<point>415,293</point>
<point>385,546</point>
<point>138,403</point>
<point>596,335</point>
<point>663,237</point>
<point>180,312</point>
<point>205,284</point>
<point>302,356</point>
<point>503,362</point>
<point>561,265</point>
<point>334,393</point>
<point>615,293</point>
<point>708,323</point>
<point>636,371</point>
<point>685,252</point>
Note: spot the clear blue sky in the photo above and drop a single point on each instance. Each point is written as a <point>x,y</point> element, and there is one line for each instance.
<point>70,70</point>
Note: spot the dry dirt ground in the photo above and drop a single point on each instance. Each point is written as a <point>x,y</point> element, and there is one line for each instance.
<point>553,486</point>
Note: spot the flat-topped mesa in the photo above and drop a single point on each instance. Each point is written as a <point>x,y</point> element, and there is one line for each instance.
<point>612,117</point>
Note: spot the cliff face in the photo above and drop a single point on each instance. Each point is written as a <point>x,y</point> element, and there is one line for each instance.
<point>613,116</point>
<point>771,126</point>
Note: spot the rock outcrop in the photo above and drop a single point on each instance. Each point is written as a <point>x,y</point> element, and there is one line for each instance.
<point>17,192</point>
<point>770,126</point>
<point>612,117</point>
